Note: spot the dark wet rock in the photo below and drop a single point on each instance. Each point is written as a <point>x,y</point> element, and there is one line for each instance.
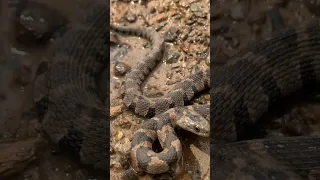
<point>313,7</point>
<point>191,20</point>
<point>171,34</point>
<point>172,57</point>
<point>184,36</point>
<point>124,162</point>
<point>121,68</point>
<point>238,11</point>
<point>130,17</point>
<point>202,22</point>
<point>37,24</point>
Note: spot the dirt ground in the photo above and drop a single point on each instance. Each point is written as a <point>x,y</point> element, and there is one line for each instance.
<point>185,24</point>
<point>185,27</point>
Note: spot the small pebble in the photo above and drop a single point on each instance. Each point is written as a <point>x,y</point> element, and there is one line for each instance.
<point>172,57</point>
<point>171,34</point>
<point>121,68</point>
<point>130,17</point>
<point>195,7</point>
<point>120,135</point>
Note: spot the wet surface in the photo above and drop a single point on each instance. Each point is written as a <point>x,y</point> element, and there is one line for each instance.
<point>185,27</point>
<point>235,24</point>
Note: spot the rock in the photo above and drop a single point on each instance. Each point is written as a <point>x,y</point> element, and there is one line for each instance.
<point>120,135</point>
<point>172,57</point>
<point>171,34</point>
<point>238,12</point>
<point>116,110</point>
<point>121,68</point>
<point>123,146</point>
<point>120,54</point>
<point>130,17</point>
<point>184,36</point>
<point>195,8</point>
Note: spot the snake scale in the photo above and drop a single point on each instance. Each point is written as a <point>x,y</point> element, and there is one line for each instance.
<point>246,88</point>
<point>74,117</point>
<point>167,111</point>
<point>241,91</point>
<point>66,93</point>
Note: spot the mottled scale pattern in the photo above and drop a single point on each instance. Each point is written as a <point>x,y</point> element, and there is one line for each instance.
<point>143,158</point>
<point>71,113</point>
<point>246,88</point>
<point>282,158</point>
<point>182,92</point>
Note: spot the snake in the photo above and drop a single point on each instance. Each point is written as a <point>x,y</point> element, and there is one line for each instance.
<point>246,88</point>
<point>66,94</point>
<point>73,115</point>
<point>166,112</point>
<point>243,90</point>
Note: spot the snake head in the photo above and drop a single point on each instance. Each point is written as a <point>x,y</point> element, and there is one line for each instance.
<point>195,123</point>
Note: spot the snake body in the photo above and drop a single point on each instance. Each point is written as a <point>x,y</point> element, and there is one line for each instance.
<point>191,118</point>
<point>242,91</point>
<point>247,87</point>
<point>67,96</point>
<point>66,92</point>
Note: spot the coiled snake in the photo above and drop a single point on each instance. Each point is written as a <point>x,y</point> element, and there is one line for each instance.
<point>244,89</point>
<point>192,118</point>
<point>75,118</point>
<point>66,92</point>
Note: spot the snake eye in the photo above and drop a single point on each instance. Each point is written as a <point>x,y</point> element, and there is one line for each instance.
<point>197,129</point>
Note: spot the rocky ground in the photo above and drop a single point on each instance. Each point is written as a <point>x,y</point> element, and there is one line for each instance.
<point>185,25</point>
